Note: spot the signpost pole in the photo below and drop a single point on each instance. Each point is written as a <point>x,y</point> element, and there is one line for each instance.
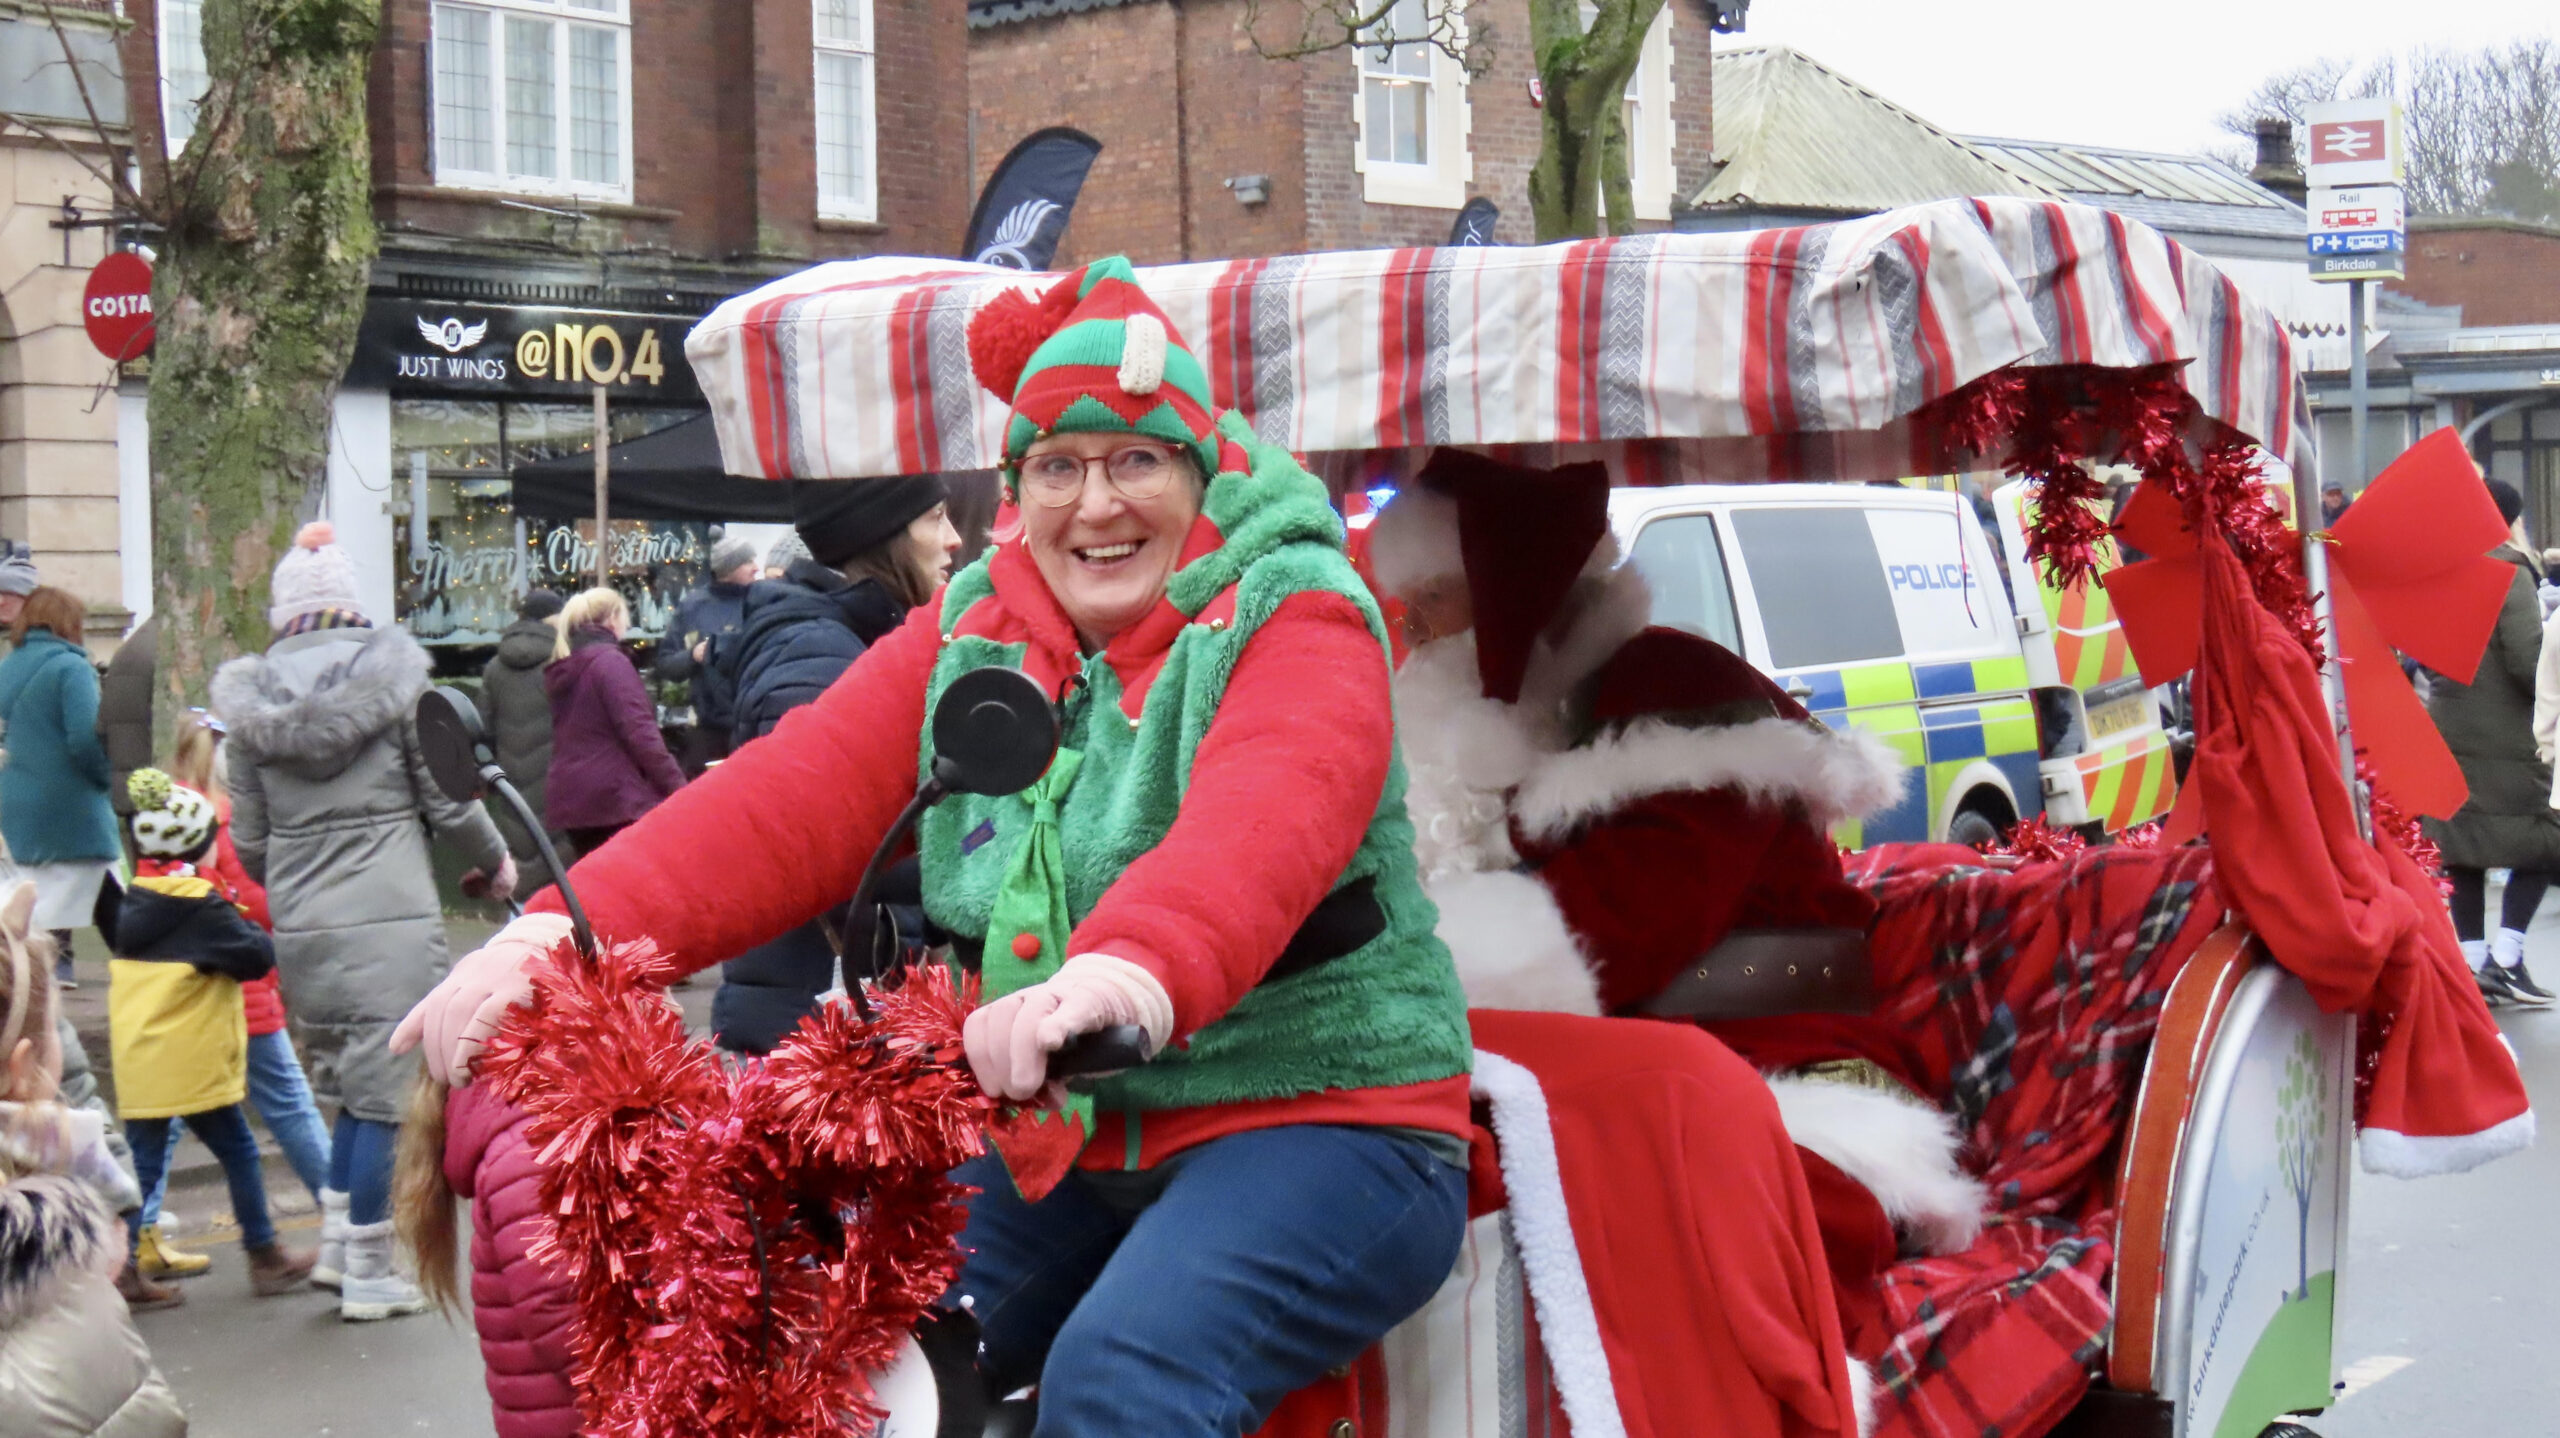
<point>2358,401</point>
<point>604,544</point>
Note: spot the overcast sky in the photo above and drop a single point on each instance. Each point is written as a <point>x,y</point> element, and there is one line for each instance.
<point>2143,76</point>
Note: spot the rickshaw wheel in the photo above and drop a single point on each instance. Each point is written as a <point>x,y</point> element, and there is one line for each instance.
<point>2286,1430</point>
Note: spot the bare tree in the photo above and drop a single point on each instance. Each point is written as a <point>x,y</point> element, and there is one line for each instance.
<point>264,223</point>
<point>1580,184</point>
<point>2483,126</point>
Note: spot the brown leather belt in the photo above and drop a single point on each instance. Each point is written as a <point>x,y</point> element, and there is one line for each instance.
<point>1761,973</point>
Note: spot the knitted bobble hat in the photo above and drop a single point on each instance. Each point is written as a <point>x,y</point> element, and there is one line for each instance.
<point>1092,355</point>
<point>170,821</point>
<point>314,575</point>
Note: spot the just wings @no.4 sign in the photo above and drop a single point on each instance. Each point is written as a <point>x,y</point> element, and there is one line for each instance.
<point>426,347</point>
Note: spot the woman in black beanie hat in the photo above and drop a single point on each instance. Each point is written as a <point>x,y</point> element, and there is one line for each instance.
<point>877,548</point>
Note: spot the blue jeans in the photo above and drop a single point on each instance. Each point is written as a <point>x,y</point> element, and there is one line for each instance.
<point>281,1094</point>
<point>225,1130</point>
<point>1192,1299</point>
<point>360,1153</point>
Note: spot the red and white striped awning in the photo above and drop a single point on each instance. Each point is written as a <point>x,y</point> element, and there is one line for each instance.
<point>1792,353</point>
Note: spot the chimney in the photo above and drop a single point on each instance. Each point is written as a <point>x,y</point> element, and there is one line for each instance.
<point>2275,168</point>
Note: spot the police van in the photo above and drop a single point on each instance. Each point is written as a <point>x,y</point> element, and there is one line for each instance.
<point>1887,607</point>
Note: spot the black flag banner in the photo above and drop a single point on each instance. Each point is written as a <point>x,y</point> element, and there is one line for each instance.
<point>1475,223</point>
<point>1023,211</point>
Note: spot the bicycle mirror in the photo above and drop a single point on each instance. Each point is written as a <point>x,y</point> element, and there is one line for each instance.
<point>993,732</point>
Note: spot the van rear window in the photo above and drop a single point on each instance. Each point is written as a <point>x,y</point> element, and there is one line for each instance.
<point>1821,585</point>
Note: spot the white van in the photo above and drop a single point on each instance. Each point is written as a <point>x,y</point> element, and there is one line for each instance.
<point>1888,607</point>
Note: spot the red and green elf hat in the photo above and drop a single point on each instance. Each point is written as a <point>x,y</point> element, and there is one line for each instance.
<point>1093,355</point>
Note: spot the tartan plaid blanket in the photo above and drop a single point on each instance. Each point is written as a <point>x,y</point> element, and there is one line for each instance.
<point>2023,1001</point>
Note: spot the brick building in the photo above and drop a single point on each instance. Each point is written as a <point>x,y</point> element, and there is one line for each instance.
<point>2501,272</point>
<point>2469,341</point>
<point>562,188</point>
<point>1212,151</point>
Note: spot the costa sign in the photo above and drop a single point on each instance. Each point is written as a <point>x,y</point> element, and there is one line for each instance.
<point>115,307</point>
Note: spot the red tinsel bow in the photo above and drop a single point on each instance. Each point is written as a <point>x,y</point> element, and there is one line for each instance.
<point>2408,571</point>
<point>745,1245</point>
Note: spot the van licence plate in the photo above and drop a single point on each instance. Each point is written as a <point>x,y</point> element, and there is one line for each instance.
<point>2121,716</point>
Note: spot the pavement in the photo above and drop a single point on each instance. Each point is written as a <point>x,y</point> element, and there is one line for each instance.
<point>2449,1305</point>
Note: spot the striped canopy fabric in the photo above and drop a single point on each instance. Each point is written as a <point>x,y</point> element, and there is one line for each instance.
<point>1769,354</point>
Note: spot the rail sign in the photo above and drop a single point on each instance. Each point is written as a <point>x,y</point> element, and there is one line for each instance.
<point>2354,142</point>
<point>2358,232</point>
<point>2358,209</point>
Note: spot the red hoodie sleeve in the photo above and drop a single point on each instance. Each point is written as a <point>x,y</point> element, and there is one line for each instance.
<point>779,832</point>
<point>1282,790</point>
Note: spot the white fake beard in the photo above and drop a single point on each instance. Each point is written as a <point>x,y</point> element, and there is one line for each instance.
<point>1464,754</point>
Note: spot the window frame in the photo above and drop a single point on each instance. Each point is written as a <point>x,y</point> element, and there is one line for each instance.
<point>1440,182</point>
<point>169,100</point>
<point>613,16</point>
<point>1653,137</point>
<point>864,208</point>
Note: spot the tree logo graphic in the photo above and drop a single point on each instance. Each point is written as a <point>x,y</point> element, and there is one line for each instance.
<point>2302,1139</point>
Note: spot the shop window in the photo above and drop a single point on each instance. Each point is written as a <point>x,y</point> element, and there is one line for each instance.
<point>534,95</point>
<point>1650,128</point>
<point>465,557</point>
<point>183,78</point>
<point>848,187</point>
<point>1412,112</point>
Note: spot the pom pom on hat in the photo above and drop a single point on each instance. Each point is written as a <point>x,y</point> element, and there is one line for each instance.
<point>149,788</point>
<point>314,575</point>
<point>1008,329</point>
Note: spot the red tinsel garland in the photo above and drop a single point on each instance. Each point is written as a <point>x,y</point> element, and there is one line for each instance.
<point>745,1246</point>
<point>2035,840</point>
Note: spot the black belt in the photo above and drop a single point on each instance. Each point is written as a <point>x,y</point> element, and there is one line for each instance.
<point>1761,973</point>
<point>1348,920</point>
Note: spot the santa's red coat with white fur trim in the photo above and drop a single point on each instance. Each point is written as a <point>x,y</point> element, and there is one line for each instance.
<point>1576,872</point>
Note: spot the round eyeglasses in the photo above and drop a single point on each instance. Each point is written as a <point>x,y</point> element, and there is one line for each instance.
<point>1138,471</point>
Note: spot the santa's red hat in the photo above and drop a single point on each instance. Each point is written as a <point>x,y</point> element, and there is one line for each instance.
<point>1521,537</point>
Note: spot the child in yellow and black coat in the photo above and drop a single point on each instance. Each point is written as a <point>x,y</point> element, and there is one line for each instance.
<point>182,948</point>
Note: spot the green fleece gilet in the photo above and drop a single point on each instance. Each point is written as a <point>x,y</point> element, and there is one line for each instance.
<point>1387,1014</point>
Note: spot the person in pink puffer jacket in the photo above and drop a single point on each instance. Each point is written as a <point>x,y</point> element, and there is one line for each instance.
<point>468,1145</point>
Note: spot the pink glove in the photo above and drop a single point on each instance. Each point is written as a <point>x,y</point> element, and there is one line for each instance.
<point>502,884</point>
<point>459,1015</point>
<point>1009,1041</point>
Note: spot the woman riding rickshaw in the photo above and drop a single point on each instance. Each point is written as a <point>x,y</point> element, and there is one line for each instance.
<point>1220,855</point>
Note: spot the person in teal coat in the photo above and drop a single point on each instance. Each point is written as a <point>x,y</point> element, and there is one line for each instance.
<point>54,810</point>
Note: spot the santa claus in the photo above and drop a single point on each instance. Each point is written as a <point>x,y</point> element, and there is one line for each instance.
<point>1621,819</point>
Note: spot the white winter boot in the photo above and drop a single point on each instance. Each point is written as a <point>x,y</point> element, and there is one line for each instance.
<point>372,1286</point>
<point>333,1239</point>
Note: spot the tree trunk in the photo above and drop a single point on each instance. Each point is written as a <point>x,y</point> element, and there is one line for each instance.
<point>261,285</point>
<point>1583,150</point>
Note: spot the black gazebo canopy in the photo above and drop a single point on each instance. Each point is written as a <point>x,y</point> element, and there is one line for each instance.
<point>672,474</point>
